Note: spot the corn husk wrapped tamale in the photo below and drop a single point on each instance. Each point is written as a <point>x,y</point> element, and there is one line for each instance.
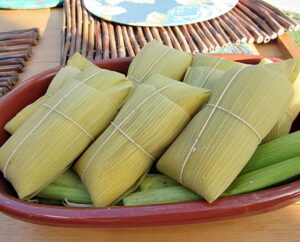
<point>76,64</point>
<point>218,142</point>
<point>214,62</point>
<point>79,62</point>
<point>291,69</point>
<point>205,70</point>
<point>149,121</point>
<point>156,58</point>
<point>61,129</point>
<point>202,76</point>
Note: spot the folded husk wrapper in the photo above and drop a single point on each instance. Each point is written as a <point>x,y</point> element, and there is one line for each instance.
<point>291,69</point>
<point>156,58</point>
<point>148,122</point>
<point>76,64</point>
<point>215,62</point>
<point>79,62</point>
<point>218,142</point>
<point>205,70</point>
<point>61,129</point>
<point>200,76</point>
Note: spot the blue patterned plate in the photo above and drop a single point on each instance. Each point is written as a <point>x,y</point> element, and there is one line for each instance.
<point>158,12</point>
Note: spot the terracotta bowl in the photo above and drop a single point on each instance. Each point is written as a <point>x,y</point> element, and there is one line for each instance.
<point>176,213</point>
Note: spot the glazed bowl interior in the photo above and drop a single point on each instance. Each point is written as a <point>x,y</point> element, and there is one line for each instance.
<point>176,213</point>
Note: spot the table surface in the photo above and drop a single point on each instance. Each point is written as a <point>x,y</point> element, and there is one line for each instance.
<point>279,225</point>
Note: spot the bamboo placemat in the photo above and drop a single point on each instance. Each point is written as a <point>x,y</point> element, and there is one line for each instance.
<point>250,21</point>
<point>15,50</point>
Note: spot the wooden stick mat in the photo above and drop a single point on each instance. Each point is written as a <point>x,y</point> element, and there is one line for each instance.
<point>248,22</point>
<point>15,49</point>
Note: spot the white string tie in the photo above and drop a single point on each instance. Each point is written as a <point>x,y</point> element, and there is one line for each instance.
<point>132,141</point>
<point>72,121</point>
<point>123,122</point>
<point>239,118</point>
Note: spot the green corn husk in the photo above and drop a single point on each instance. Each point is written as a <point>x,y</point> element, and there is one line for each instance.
<point>61,129</point>
<point>253,181</point>
<point>75,65</point>
<point>62,193</point>
<point>215,146</point>
<point>68,179</point>
<point>173,194</point>
<point>151,118</point>
<point>156,58</point>
<point>155,181</point>
<point>265,177</point>
<point>66,187</point>
<point>277,150</point>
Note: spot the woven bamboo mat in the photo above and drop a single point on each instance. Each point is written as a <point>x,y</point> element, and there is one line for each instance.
<point>250,21</point>
<point>15,50</point>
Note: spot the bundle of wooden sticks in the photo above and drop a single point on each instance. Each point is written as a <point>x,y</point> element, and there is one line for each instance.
<point>249,21</point>
<point>15,49</point>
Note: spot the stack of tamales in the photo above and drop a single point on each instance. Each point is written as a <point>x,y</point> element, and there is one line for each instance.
<point>76,64</point>
<point>156,58</point>
<point>88,111</point>
<point>62,128</point>
<point>206,71</point>
<point>218,142</point>
<point>148,122</point>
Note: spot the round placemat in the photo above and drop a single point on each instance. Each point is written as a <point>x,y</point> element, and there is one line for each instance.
<point>158,12</point>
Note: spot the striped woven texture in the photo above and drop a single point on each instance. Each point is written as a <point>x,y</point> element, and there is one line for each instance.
<point>250,21</point>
